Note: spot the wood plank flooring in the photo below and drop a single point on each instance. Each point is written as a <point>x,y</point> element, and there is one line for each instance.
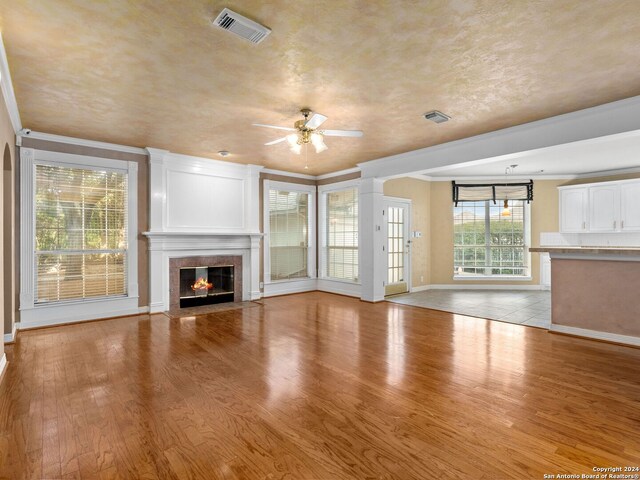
<point>315,386</point>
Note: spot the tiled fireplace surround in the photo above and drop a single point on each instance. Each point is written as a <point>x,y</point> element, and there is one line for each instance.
<point>175,264</point>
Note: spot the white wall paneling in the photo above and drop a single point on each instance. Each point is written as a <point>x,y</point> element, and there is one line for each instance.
<point>192,194</point>
<point>199,207</point>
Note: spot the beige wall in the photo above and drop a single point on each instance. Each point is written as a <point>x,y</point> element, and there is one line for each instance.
<point>420,194</point>
<point>7,138</point>
<point>143,198</point>
<point>432,255</point>
<point>544,218</point>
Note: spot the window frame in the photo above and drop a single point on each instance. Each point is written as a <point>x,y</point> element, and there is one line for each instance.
<point>527,255</point>
<point>311,228</point>
<point>323,190</point>
<point>83,308</point>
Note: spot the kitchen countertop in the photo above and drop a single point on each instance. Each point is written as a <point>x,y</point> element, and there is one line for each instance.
<point>630,251</point>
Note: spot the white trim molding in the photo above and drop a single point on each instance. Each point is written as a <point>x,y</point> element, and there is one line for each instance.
<point>616,118</point>
<point>595,334</point>
<point>3,365</point>
<point>447,286</point>
<point>50,137</point>
<point>34,315</point>
<point>7,89</point>
<point>311,229</point>
<point>164,246</point>
<point>286,287</point>
<point>11,337</point>
<point>349,289</point>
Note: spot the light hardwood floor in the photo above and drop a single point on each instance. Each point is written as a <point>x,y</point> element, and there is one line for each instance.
<point>315,386</point>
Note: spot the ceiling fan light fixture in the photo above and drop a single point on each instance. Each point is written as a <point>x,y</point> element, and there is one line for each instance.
<point>292,139</point>
<point>317,141</point>
<point>297,148</point>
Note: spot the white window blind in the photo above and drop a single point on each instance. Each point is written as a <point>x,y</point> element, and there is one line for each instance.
<point>80,233</point>
<point>342,234</point>
<point>488,243</point>
<point>288,234</point>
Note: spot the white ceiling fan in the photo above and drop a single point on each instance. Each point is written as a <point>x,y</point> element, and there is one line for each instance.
<point>306,131</point>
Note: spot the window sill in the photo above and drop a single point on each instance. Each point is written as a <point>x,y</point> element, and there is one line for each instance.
<point>288,280</point>
<point>88,301</point>
<point>494,278</point>
<point>339,280</point>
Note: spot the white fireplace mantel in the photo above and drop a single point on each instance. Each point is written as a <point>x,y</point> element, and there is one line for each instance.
<point>164,246</point>
<point>201,207</point>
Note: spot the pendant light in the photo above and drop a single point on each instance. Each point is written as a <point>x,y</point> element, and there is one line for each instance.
<point>506,211</point>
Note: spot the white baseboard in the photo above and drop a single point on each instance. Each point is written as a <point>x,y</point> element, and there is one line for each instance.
<point>288,287</point>
<point>10,337</point>
<point>583,332</point>
<point>421,288</point>
<point>98,315</point>
<point>3,364</point>
<point>448,286</point>
<point>142,310</point>
<point>341,288</point>
<point>157,307</point>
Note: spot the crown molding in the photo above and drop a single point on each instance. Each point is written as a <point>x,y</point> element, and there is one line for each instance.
<point>591,124</point>
<point>7,89</point>
<point>311,177</point>
<point>339,173</point>
<point>50,137</point>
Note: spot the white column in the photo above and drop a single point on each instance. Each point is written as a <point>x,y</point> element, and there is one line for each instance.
<point>252,207</point>
<point>372,264</point>
<point>255,266</point>
<point>157,189</point>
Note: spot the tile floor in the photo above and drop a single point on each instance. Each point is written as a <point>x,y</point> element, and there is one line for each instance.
<point>532,308</point>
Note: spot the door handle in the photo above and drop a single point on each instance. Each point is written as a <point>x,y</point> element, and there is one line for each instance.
<point>614,224</point>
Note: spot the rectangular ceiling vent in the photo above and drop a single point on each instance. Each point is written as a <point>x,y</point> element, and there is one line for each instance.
<point>241,26</point>
<point>436,116</point>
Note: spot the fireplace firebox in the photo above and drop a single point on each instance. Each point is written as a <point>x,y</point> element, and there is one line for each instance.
<point>204,285</point>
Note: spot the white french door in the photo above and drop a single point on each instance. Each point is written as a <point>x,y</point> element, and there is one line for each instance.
<point>398,246</point>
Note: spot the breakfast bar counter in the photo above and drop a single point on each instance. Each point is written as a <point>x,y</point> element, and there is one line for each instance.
<point>595,291</point>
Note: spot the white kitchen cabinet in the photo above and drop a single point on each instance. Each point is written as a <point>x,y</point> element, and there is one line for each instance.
<point>545,271</point>
<point>630,207</point>
<point>573,210</point>
<point>604,208</point>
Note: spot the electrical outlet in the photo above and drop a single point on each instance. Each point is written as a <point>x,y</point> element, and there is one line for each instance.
<point>261,284</point>
<point>421,278</point>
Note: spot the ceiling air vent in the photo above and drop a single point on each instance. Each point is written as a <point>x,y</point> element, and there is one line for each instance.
<point>436,116</point>
<point>241,26</point>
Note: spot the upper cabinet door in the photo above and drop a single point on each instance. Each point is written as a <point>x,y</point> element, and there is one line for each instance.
<point>630,207</point>
<point>604,208</point>
<point>573,208</point>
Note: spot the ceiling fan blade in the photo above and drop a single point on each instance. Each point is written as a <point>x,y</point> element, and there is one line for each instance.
<point>288,129</point>
<point>315,121</point>
<point>342,133</point>
<point>273,142</point>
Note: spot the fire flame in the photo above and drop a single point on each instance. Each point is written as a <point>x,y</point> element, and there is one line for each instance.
<point>201,284</point>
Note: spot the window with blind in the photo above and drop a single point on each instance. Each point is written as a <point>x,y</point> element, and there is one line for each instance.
<point>80,233</point>
<point>342,234</point>
<point>288,234</point>
<point>490,240</point>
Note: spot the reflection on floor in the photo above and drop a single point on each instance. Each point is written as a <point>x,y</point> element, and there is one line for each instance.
<point>532,308</point>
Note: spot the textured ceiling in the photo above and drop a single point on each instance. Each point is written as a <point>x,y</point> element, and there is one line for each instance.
<point>156,73</point>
